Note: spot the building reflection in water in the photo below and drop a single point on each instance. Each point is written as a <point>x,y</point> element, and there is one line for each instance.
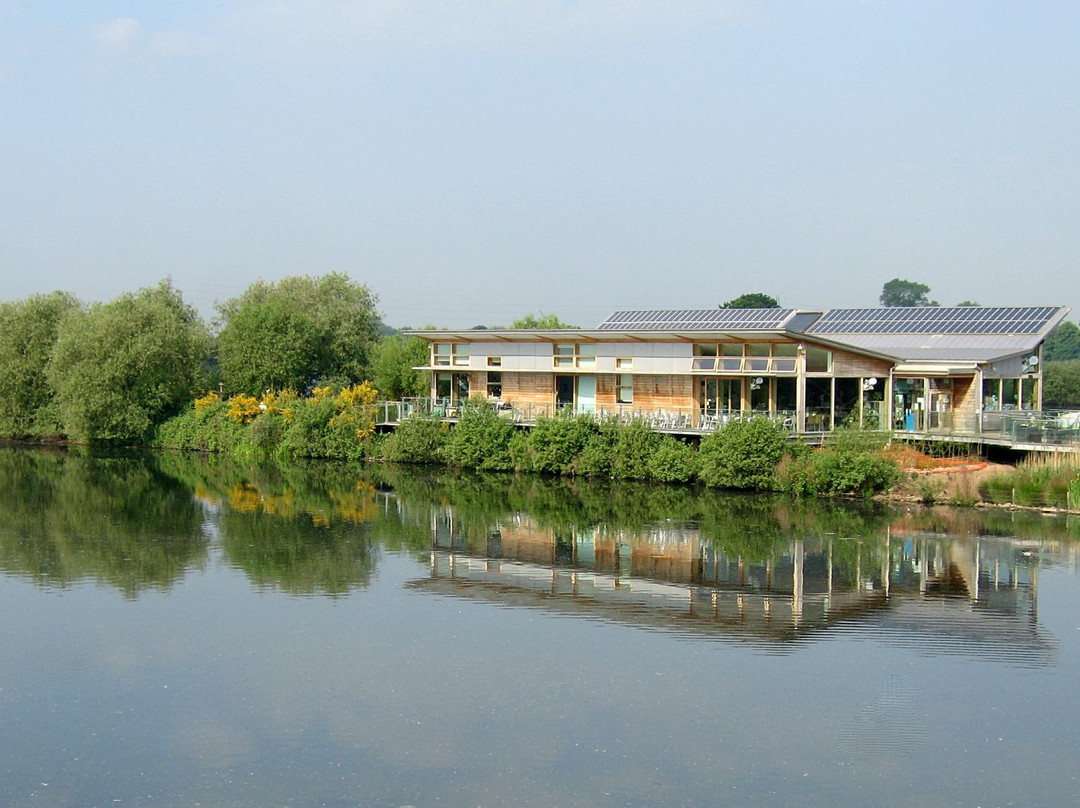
<point>939,593</point>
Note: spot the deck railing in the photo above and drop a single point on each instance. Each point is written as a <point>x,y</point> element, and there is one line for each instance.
<point>1021,427</point>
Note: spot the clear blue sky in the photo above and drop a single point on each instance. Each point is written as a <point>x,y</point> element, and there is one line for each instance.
<point>474,161</point>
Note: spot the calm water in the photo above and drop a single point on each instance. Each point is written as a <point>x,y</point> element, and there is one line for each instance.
<point>179,633</point>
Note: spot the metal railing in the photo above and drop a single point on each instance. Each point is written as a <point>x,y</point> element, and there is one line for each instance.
<point>1020,427</point>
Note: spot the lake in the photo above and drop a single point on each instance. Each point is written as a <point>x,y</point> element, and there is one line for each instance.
<point>181,632</point>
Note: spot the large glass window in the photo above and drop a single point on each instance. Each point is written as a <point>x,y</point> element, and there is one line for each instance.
<point>625,391</point>
<point>452,386</point>
<point>494,385</point>
<point>720,395</point>
<point>759,393</point>
<point>846,406</point>
<point>1030,394</point>
<point>786,392</point>
<point>818,404</point>
<point>1010,394</point>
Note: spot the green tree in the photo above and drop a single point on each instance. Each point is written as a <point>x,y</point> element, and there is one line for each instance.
<point>392,363</point>
<point>120,368</point>
<point>267,345</point>
<point>28,331</point>
<point>968,303</point>
<point>540,320</point>
<point>899,292</point>
<point>331,321</point>
<point>752,300</point>
<point>1061,385</point>
<point>1063,343</point>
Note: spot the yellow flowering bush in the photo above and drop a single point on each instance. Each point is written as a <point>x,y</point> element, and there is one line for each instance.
<point>209,400</point>
<point>244,409</point>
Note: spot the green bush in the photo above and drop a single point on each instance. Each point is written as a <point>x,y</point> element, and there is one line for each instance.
<point>633,448</point>
<point>480,439</point>
<point>552,445</point>
<point>595,460</point>
<point>830,471</point>
<point>853,472</point>
<point>418,439</point>
<point>743,454</point>
<point>204,430</point>
<point>674,461</point>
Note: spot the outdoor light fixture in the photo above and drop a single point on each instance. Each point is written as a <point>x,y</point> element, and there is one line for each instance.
<point>1029,364</point>
<point>869,384</point>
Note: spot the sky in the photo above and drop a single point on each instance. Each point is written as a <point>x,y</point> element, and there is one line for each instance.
<point>475,161</point>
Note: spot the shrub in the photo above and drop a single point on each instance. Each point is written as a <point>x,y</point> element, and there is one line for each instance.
<point>743,454</point>
<point>480,439</point>
<point>674,461</point>
<point>633,447</point>
<point>418,439</point>
<point>552,445</point>
<point>596,458</point>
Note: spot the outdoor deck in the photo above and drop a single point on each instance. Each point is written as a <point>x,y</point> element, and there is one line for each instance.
<point>1022,430</point>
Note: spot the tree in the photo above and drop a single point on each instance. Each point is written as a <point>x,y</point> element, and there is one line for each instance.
<point>120,368</point>
<point>28,332</point>
<point>330,322</point>
<point>267,346</point>
<point>968,303</point>
<point>898,292</point>
<point>392,364</point>
<point>1061,385</point>
<point>540,320</point>
<point>752,300</point>
<point>1063,343</point>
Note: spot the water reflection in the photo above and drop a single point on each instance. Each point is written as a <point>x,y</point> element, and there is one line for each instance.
<point>937,593</point>
<point>771,571</point>
<point>118,520</point>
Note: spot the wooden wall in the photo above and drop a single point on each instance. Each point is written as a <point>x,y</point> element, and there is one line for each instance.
<point>850,364</point>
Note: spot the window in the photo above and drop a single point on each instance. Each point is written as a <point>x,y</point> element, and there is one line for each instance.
<point>784,361</point>
<point>704,357</point>
<point>494,362</point>
<point>818,360</point>
<point>624,362</point>
<point>625,392</point>
<point>494,385</point>
<point>575,355</point>
<point>731,353</point>
<point>452,386</point>
<point>759,357</point>
<point>450,354</point>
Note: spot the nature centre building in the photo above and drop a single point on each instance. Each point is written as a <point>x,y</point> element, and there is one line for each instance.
<point>914,369</point>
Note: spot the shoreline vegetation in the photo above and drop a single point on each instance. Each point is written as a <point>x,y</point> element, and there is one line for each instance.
<point>752,455</point>
<point>124,373</point>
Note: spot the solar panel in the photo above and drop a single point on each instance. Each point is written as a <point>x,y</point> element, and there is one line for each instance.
<point>934,320</point>
<point>698,320</point>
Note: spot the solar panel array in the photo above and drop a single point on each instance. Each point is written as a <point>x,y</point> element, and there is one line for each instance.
<point>934,320</point>
<point>698,320</point>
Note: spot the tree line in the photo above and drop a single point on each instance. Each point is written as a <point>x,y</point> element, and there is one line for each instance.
<point>112,372</point>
